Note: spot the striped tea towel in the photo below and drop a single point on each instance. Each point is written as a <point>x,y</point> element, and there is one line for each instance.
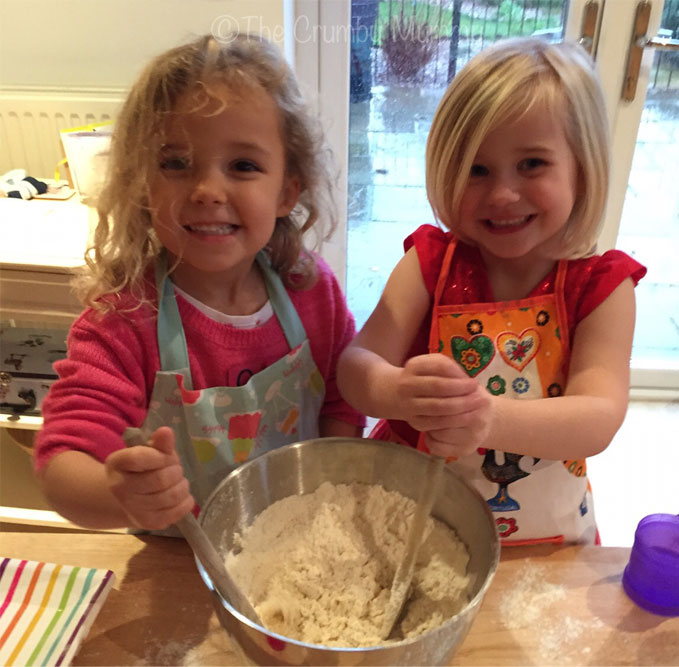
<point>47,609</point>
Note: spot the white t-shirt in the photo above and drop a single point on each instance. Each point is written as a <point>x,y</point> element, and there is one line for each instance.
<point>238,321</point>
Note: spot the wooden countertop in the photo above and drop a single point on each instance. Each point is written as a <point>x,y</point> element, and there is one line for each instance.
<point>546,605</point>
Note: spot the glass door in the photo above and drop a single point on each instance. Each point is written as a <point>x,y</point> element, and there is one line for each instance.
<point>402,55</point>
<point>643,211</point>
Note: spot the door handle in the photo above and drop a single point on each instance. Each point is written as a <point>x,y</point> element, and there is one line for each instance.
<point>640,41</point>
<point>590,15</point>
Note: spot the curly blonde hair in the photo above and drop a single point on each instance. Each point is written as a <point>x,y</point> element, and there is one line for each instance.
<point>501,84</point>
<point>124,241</point>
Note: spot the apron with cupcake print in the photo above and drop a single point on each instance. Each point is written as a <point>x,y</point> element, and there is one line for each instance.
<point>219,428</point>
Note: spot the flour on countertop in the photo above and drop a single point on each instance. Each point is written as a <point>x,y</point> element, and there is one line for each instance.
<point>319,567</point>
<point>530,595</point>
<point>534,601</point>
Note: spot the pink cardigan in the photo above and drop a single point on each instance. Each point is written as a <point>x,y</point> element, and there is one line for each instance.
<point>106,381</point>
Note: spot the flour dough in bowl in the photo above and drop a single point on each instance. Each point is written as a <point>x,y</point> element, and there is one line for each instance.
<point>318,567</point>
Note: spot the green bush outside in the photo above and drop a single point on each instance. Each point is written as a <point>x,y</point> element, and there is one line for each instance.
<point>492,19</point>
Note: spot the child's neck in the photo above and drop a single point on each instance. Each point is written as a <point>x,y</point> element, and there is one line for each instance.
<point>512,279</point>
<point>228,293</point>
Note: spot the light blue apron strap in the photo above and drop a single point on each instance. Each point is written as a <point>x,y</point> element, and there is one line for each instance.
<point>171,339</point>
<point>282,305</point>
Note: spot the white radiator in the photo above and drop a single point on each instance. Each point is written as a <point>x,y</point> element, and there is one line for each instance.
<point>30,122</point>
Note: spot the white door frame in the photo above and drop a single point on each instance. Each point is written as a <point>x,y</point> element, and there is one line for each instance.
<point>624,117</point>
<point>321,34</point>
<point>611,45</point>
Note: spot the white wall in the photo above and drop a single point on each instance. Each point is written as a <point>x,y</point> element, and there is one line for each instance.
<point>104,43</point>
<point>68,63</point>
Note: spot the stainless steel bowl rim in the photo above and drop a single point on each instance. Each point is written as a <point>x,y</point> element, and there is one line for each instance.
<point>476,600</point>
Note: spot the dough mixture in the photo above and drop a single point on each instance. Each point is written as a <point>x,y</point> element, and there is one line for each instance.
<point>319,567</point>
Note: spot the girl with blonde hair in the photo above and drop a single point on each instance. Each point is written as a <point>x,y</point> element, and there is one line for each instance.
<point>208,324</point>
<point>509,300</point>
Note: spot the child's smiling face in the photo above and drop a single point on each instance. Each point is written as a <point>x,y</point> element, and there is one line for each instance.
<point>221,180</point>
<point>521,189</point>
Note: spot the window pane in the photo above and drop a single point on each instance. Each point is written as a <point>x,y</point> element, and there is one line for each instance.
<point>403,54</point>
<point>649,228</point>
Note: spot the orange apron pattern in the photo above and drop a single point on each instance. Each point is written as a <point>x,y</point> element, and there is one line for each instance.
<point>518,350</point>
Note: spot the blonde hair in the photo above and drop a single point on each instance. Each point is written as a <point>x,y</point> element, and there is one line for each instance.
<point>501,84</point>
<point>124,240</point>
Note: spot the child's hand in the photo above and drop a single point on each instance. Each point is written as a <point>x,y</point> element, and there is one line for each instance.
<point>465,431</point>
<point>438,398</point>
<point>149,482</point>
<point>430,389</point>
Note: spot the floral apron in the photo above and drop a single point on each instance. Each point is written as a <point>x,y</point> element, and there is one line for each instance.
<point>518,350</point>
<point>218,428</point>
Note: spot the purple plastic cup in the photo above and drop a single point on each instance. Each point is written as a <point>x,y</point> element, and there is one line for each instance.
<point>651,578</point>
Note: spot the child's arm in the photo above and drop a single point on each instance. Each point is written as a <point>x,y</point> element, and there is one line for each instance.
<point>428,389</point>
<point>143,487</point>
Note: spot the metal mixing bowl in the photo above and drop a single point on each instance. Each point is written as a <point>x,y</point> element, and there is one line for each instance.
<point>300,468</point>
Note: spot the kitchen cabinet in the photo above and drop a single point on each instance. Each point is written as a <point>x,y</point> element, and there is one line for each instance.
<point>43,243</point>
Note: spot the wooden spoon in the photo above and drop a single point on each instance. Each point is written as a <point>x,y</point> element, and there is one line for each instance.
<point>204,550</point>
<point>400,586</point>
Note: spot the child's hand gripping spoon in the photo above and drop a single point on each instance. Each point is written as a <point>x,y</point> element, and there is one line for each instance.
<point>400,587</point>
<point>204,549</point>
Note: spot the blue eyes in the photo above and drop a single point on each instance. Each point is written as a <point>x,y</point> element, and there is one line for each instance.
<point>245,165</point>
<point>478,170</point>
<point>524,166</point>
<point>527,165</point>
<point>174,164</point>
<point>531,163</point>
<point>179,164</point>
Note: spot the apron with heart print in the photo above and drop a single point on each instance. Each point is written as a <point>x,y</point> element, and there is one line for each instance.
<point>518,350</point>
<point>218,428</point>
